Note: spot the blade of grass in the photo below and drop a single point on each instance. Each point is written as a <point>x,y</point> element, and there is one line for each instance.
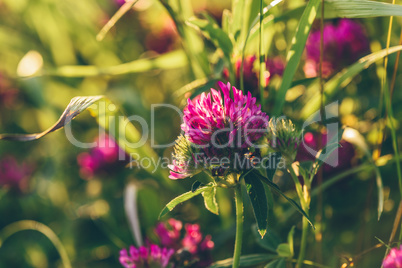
<point>259,20</point>
<point>360,9</point>
<point>122,10</point>
<point>24,225</point>
<point>342,79</point>
<point>295,52</point>
<point>170,60</point>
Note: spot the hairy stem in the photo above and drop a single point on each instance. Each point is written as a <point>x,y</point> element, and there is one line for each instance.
<point>239,226</point>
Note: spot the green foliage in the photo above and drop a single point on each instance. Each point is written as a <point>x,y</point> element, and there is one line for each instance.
<point>296,51</point>
<point>276,189</point>
<point>256,193</point>
<point>210,201</point>
<point>209,196</point>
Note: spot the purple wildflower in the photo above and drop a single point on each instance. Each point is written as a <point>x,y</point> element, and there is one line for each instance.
<point>344,155</point>
<point>105,155</point>
<point>13,174</point>
<point>212,113</point>
<point>219,126</point>
<point>152,256</point>
<point>344,43</point>
<point>169,233</point>
<point>393,259</point>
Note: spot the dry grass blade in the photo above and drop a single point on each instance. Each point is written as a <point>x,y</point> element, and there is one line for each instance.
<point>76,106</point>
<point>123,10</point>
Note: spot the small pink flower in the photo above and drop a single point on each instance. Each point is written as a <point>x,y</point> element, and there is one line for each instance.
<point>103,156</point>
<point>169,233</point>
<point>393,259</point>
<point>13,174</point>
<point>342,155</point>
<point>152,256</point>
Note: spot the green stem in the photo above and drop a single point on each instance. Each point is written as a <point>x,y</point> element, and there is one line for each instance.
<point>304,201</point>
<point>299,188</point>
<point>303,243</point>
<point>239,226</point>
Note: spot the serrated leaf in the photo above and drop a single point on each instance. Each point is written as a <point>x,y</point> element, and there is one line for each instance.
<point>278,263</point>
<point>275,187</point>
<point>209,196</point>
<point>195,186</point>
<point>274,160</point>
<point>259,202</point>
<point>180,199</point>
<point>247,260</point>
<point>212,31</point>
<point>284,250</point>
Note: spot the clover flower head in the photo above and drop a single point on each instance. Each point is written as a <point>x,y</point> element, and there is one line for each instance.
<point>218,127</point>
<point>152,256</point>
<point>393,259</point>
<point>344,43</point>
<point>169,232</point>
<point>283,137</point>
<point>219,122</point>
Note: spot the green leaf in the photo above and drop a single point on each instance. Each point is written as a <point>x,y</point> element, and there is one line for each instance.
<point>274,160</point>
<point>270,241</point>
<point>247,260</point>
<point>290,240</point>
<point>284,250</point>
<point>295,52</point>
<point>275,187</point>
<point>256,193</point>
<point>171,60</point>
<point>237,19</point>
<point>359,9</point>
<point>209,196</point>
<point>212,31</point>
<point>278,263</point>
<point>342,79</point>
<point>180,199</point>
